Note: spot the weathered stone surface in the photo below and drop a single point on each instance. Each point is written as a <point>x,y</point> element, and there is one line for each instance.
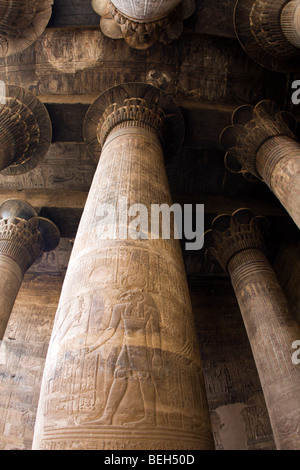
<point>237,407</point>
<point>238,244</point>
<point>199,68</point>
<point>23,238</point>
<point>22,356</point>
<point>209,77</point>
<point>207,19</point>
<point>142,24</point>
<point>228,365</point>
<point>66,166</point>
<point>290,22</point>
<point>133,333</point>
<point>269,32</point>
<point>287,269</point>
<point>26,131</point>
<point>21,23</point>
<point>262,141</point>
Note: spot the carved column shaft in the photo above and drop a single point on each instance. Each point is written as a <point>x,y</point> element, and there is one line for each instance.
<point>20,245</point>
<point>11,280</point>
<point>237,242</point>
<point>278,163</point>
<point>271,331</point>
<point>124,328</point>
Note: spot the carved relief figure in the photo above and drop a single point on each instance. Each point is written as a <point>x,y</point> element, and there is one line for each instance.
<point>136,361</point>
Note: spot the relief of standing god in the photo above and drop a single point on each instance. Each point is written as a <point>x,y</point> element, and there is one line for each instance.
<point>137,311</point>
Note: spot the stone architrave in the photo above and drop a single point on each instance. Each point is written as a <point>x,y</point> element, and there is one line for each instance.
<point>238,243</point>
<point>24,237</point>
<point>21,23</point>
<point>269,31</point>
<point>25,131</point>
<point>143,23</point>
<point>261,142</point>
<point>123,370</point>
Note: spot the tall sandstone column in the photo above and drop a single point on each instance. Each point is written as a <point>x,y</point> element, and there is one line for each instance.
<point>25,131</point>
<point>237,242</point>
<point>269,31</point>
<point>261,142</point>
<point>143,23</point>
<point>123,368</point>
<point>23,238</point>
<point>21,23</point>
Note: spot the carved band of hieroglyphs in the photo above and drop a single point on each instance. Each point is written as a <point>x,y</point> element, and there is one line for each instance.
<point>123,365</point>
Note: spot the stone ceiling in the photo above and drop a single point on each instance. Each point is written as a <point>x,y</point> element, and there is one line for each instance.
<point>205,70</point>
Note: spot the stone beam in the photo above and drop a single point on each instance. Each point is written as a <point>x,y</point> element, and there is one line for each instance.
<point>64,199</point>
<point>204,122</point>
<point>82,61</point>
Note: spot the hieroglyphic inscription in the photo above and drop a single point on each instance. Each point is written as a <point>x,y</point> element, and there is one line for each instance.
<point>123,357</point>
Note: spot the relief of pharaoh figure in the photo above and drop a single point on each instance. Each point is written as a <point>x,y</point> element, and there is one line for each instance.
<point>136,361</point>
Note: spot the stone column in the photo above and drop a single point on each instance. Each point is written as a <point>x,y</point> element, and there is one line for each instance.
<point>25,131</point>
<point>261,142</point>
<point>123,370</point>
<point>269,31</point>
<point>290,22</point>
<point>23,238</point>
<point>143,23</point>
<point>21,23</point>
<point>237,242</point>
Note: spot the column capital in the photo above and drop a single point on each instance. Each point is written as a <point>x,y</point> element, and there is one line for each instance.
<point>267,31</point>
<point>252,127</point>
<point>26,131</point>
<point>290,22</point>
<point>23,235</point>
<point>143,23</point>
<point>233,234</point>
<point>134,105</point>
<point>135,111</point>
<point>21,23</point>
